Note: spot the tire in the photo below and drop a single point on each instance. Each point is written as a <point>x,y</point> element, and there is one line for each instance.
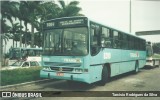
<point>71,83</point>
<point>105,76</point>
<point>136,67</point>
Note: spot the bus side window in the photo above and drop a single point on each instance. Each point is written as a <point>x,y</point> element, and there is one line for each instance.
<point>130,42</point>
<point>143,45</point>
<point>116,43</point>
<point>93,37</point>
<point>125,42</point>
<point>120,39</point>
<point>95,40</point>
<point>106,37</point>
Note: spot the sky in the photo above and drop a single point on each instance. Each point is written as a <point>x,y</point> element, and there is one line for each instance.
<point>116,13</point>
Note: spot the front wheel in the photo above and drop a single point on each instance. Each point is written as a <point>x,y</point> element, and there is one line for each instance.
<point>71,83</point>
<point>105,76</point>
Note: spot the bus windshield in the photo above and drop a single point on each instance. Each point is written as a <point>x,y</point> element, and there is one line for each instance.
<point>67,41</point>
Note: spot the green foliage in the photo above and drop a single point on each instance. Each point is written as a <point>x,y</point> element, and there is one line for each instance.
<point>33,13</point>
<point>38,39</point>
<point>15,76</point>
<point>71,9</point>
<point>156,48</point>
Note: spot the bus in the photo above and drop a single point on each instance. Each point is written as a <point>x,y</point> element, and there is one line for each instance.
<point>24,54</point>
<point>79,49</point>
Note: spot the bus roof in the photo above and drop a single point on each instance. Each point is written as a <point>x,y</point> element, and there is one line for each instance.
<point>93,22</point>
<point>65,18</point>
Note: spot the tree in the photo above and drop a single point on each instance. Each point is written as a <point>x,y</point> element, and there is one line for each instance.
<point>7,12</point>
<point>26,38</point>
<point>5,30</point>
<point>51,10</point>
<point>34,9</point>
<point>21,16</point>
<point>156,48</point>
<point>15,30</point>
<point>71,9</point>
<point>38,40</point>
<point>32,12</point>
<point>24,13</point>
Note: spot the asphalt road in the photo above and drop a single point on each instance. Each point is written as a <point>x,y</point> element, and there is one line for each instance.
<point>144,80</point>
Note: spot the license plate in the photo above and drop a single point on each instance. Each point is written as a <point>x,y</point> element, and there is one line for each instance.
<point>60,74</point>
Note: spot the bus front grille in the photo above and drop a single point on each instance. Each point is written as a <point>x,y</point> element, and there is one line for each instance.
<point>62,64</point>
<point>61,69</point>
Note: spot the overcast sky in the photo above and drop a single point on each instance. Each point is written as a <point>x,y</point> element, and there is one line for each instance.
<point>115,13</point>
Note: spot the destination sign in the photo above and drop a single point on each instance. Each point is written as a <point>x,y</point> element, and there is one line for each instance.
<point>50,24</point>
<point>65,23</point>
<point>71,22</point>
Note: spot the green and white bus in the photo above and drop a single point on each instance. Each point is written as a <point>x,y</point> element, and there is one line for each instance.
<point>78,49</point>
<point>24,54</point>
<point>19,53</point>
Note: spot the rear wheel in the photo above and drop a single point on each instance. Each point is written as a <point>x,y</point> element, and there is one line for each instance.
<point>136,67</point>
<point>105,76</point>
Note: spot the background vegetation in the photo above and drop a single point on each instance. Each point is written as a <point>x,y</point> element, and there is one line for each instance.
<point>21,14</point>
<point>156,48</point>
<point>15,76</point>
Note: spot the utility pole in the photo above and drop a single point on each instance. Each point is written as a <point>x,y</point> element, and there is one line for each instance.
<point>130,17</point>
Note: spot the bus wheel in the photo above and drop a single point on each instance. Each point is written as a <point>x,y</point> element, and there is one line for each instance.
<point>136,67</point>
<point>71,83</point>
<point>105,76</point>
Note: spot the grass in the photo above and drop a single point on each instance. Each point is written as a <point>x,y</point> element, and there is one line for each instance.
<point>15,76</point>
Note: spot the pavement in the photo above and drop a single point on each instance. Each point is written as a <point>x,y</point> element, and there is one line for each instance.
<point>146,80</point>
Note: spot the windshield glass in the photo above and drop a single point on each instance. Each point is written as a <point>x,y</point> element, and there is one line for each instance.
<point>68,41</point>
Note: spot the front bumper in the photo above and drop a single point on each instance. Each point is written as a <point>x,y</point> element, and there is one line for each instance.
<point>82,77</point>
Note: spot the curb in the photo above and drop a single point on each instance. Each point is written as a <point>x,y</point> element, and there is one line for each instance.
<point>25,83</point>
